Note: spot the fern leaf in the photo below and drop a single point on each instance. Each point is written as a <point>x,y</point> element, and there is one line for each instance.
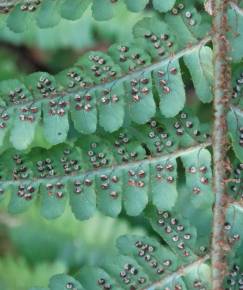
<point>235,127</point>
<point>170,88</point>
<point>109,174</point>
<point>235,185</point>
<point>15,91</point>
<point>168,262</point>
<point>83,107</point>
<point>237,80</point>
<point>200,65</point>
<point>142,263</point>
<point>198,173</point>
<point>102,9</point>
<point>95,278</point>
<point>74,9</point>
<point>141,105</point>
<point>63,282</point>
<point>188,24</point>
<point>235,18</point>
<point>233,232</point>
<point>131,245</point>
<point>163,183</point>
<point>170,225</point>
<point>48,14</point>
<point>156,37</point>
<point>55,113</point>
<point>95,91</point>
<point>186,129</point>
<point>136,5</point>
<point>18,20</point>
<point>163,6</point>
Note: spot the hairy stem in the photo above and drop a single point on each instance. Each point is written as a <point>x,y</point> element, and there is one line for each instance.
<point>222,85</point>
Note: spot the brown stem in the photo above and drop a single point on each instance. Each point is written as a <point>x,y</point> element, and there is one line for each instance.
<point>222,84</point>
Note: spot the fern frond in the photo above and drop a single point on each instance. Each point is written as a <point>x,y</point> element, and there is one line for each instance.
<point>108,171</point>
<point>98,90</point>
<point>233,231</point>
<point>235,19</point>
<point>140,150</point>
<point>235,181</point>
<point>146,263</point>
<point>235,127</point>
<point>235,114</point>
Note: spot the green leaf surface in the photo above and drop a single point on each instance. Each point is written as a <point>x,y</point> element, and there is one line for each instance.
<point>136,5</point>
<point>74,9</point>
<point>187,22</point>
<point>236,34</point>
<point>48,14</point>
<point>235,130</point>
<point>130,245</point>
<point>163,184</point>
<point>83,197</point>
<point>63,282</point>
<point>163,6</point>
<point>176,231</point>
<point>135,194</point>
<point>140,101</point>
<point>102,9</point>
<point>90,277</point>
<point>200,65</point>
<point>18,21</point>
<point>22,198</point>
<point>170,87</point>
<point>199,176</point>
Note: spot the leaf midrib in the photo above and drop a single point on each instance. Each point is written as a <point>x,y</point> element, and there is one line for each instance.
<point>64,94</point>
<point>149,160</point>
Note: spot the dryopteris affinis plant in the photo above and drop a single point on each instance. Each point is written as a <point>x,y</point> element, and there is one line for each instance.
<point>114,132</point>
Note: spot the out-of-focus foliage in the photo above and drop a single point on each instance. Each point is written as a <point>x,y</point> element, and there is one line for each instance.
<point>83,33</point>
<point>37,248</point>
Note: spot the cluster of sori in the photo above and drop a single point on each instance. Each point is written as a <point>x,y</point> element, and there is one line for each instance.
<point>30,5</point>
<point>25,5</point>
<point>235,187</point>
<point>45,86</point>
<point>232,238</point>
<point>102,68</point>
<point>235,278</point>
<point>76,79</point>
<point>163,79</point>
<point>6,6</point>
<point>160,137</point>
<point>176,231</point>
<point>160,42</point>
<point>237,88</point>
<point>187,15</point>
<point>134,58</point>
<point>145,251</point>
